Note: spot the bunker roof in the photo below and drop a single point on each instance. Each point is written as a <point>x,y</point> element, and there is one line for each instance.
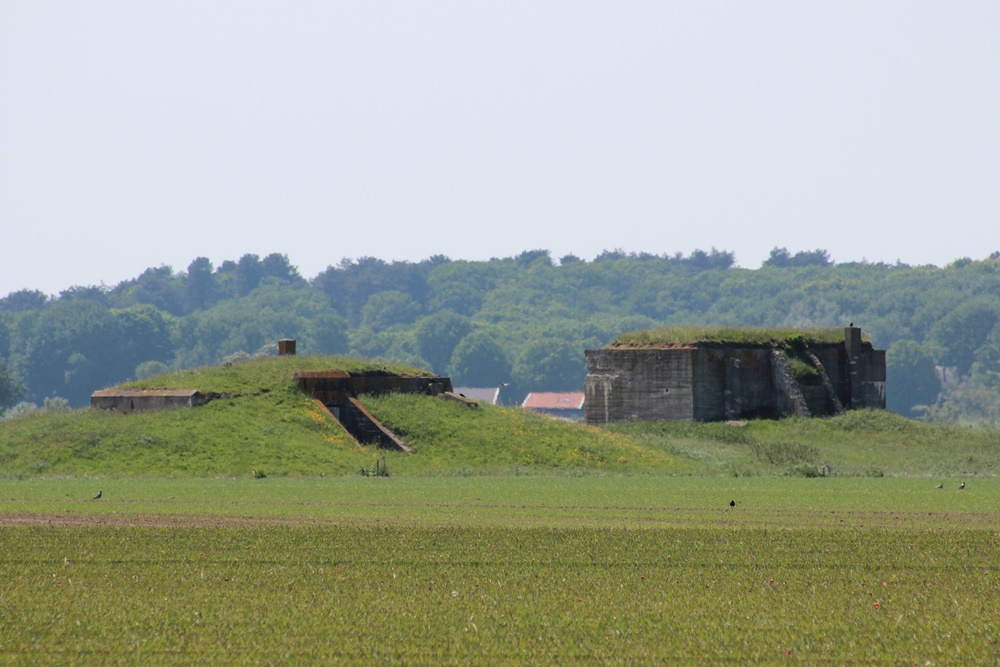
<point>142,393</point>
<point>686,337</point>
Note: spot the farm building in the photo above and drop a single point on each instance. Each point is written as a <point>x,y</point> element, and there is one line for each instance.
<point>732,374</point>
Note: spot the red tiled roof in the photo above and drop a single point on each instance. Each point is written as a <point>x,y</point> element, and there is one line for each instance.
<point>551,400</point>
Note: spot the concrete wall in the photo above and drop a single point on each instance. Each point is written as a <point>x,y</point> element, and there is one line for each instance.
<point>714,382</point>
<point>647,384</point>
<point>731,383</point>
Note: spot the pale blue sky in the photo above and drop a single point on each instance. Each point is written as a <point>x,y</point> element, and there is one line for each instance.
<point>135,134</point>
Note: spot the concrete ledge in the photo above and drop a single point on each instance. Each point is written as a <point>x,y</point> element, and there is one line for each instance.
<point>464,400</point>
<point>147,400</point>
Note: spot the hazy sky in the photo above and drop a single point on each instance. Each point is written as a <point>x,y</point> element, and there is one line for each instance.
<point>136,134</point>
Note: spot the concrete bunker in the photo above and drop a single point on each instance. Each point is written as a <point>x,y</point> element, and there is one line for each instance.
<point>710,381</point>
<point>147,400</point>
<point>336,392</point>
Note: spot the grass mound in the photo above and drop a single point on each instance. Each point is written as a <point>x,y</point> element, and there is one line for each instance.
<point>263,425</point>
<point>280,432</point>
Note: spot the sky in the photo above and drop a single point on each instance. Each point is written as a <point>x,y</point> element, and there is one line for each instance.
<point>142,134</point>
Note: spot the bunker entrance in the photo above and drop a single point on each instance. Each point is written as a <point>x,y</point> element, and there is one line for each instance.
<point>336,391</point>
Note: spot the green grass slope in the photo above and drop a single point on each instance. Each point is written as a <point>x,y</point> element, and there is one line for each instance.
<point>862,443</point>
<point>453,437</point>
<point>264,423</point>
<point>280,432</point>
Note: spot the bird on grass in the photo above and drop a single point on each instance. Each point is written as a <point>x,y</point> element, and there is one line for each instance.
<point>961,486</point>
<point>939,486</point>
<point>732,503</point>
<point>99,494</point>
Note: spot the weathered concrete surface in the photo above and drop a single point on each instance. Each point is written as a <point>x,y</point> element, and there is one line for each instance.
<point>649,384</point>
<point>716,382</point>
<point>146,400</point>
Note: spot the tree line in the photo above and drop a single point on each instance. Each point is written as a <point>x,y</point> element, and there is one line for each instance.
<point>523,320</point>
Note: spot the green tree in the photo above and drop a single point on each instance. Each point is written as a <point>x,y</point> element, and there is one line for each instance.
<point>960,333</point>
<point>248,274</point>
<point>199,287</point>
<point>479,361</point>
<point>158,287</point>
<point>350,284</point>
<point>71,348</point>
<point>438,334</point>
<point>460,286</point>
<point>271,312</point>
<point>780,257</point>
<point>4,340</point>
<point>144,335</point>
<point>911,378</point>
<point>389,308</point>
<point>277,266</point>
<point>327,334</point>
<point>11,386</point>
<point>549,364</point>
<point>23,300</point>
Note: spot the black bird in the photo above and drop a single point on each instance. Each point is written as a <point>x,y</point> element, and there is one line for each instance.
<point>939,486</point>
<point>99,494</point>
<point>732,503</point>
<point>961,486</point>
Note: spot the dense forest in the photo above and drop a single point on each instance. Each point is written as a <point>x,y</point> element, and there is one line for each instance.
<point>522,320</point>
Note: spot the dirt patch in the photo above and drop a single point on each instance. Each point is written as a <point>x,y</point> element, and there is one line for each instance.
<point>165,521</point>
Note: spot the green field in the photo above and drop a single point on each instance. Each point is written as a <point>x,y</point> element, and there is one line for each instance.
<point>531,569</point>
<point>242,532</point>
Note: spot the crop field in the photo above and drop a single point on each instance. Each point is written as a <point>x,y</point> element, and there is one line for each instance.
<point>535,569</point>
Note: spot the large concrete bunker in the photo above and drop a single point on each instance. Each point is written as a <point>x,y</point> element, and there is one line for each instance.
<point>717,381</point>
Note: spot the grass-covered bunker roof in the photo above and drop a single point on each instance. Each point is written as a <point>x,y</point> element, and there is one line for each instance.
<point>680,337</point>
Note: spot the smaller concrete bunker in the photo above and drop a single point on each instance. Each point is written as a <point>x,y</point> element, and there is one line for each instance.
<point>146,400</point>
<point>793,374</point>
<point>334,390</point>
